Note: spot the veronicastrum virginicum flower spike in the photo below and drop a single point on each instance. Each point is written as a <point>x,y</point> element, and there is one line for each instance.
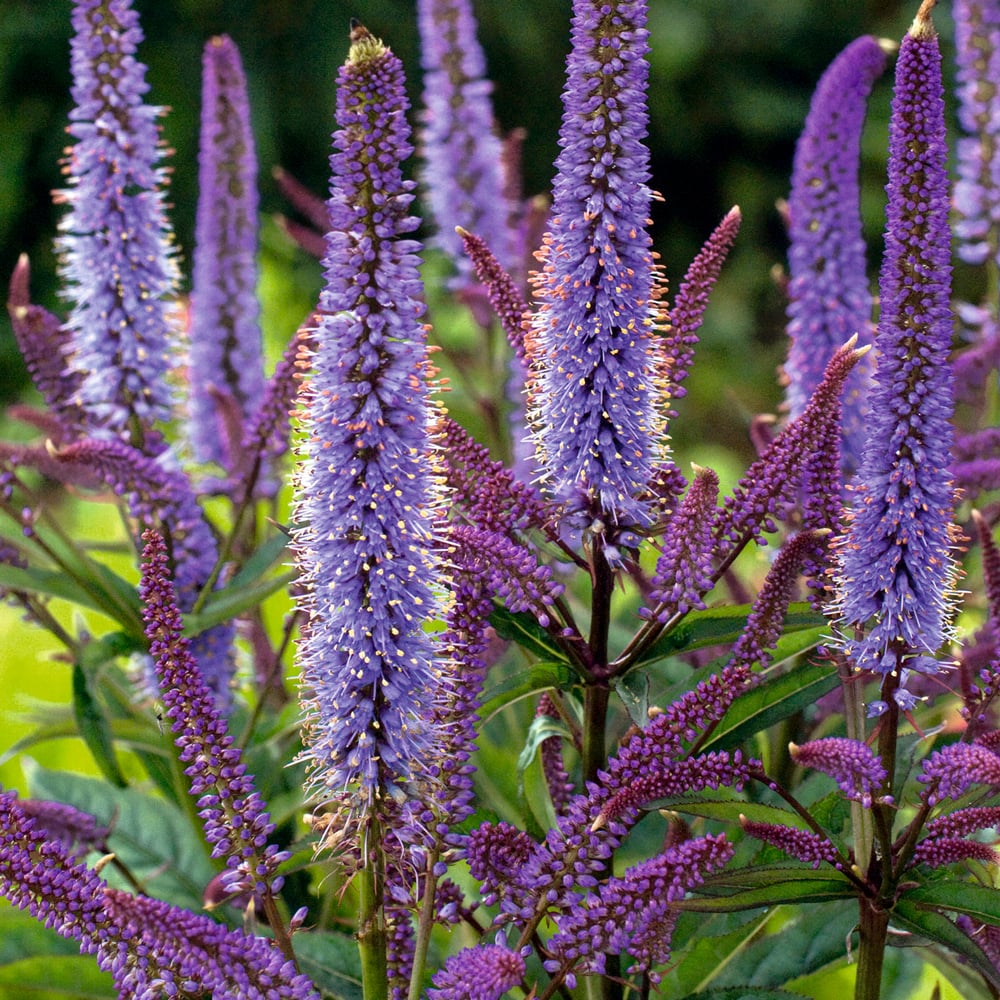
<point>368,498</point>
<point>896,562</point>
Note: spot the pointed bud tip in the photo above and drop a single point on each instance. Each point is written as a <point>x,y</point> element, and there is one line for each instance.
<point>888,45</point>
<point>922,27</point>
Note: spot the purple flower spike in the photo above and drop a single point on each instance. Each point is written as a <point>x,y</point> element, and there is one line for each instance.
<point>950,772</point>
<point>977,190</point>
<point>896,563</point>
<point>829,298</point>
<point>149,947</point>
<point>803,845</point>
<point>763,628</point>
<point>952,850</point>
<point>235,817</point>
<point>44,345</point>
<point>684,570</point>
<point>634,913</point>
<point>368,499</point>
<point>597,375</point>
<point>225,327</point>
<point>770,484</point>
<point>852,764</point>
<point>465,181</point>
<point>692,300</point>
<point>485,972</point>
<point>117,254</point>
<point>506,298</point>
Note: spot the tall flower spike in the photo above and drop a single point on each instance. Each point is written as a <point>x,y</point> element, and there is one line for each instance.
<point>459,142</point>
<point>117,256</point>
<point>634,913</point>
<point>44,345</point>
<point>596,370</point>
<point>225,327</point>
<point>829,298</point>
<point>368,500</point>
<point>897,565</point>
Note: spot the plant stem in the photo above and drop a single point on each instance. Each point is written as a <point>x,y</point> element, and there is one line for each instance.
<point>874,928</point>
<point>371,916</point>
<point>854,717</point>
<point>425,925</point>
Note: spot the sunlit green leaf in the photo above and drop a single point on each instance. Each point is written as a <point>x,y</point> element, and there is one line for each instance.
<point>724,625</point>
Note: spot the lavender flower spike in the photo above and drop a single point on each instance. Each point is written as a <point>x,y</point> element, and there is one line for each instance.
<point>368,497</point>
<point>225,327</point>
<point>460,145</point>
<point>829,299</point>
<point>235,817</point>
<point>596,372</point>
<point>117,255</point>
<point>896,562</point>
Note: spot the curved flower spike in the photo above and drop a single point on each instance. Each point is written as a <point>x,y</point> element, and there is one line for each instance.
<point>829,298</point>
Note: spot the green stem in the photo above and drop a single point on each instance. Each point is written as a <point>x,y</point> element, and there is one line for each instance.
<point>371,916</point>
<point>425,925</point>
<point>874,929</point>
<point>854,716</point>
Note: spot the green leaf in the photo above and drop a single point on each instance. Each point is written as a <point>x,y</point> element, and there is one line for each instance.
<point>261,561</point>
<point>22,936</point>
<point>331,961</point>
<point>94,728</point>
<point>49,583</point>
<point>150,836</point>
<point>775,699</point>
<point>766,885</point>
<point>633,689</point>
<point>980,902</point>
<point>232,601</point>
<point>801,942</point>
<point>723,626</point>
<point>522,628</point>
<point>937,927</point>
<point>523,683</point>
<point>729,811</point>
